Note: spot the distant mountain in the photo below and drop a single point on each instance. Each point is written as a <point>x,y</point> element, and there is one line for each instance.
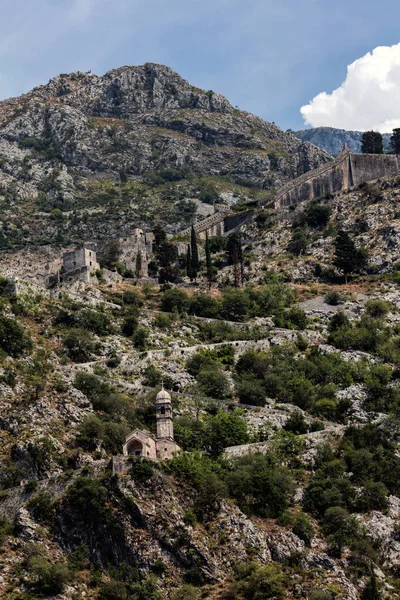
<point>130,146</point>
<point>332,140</point>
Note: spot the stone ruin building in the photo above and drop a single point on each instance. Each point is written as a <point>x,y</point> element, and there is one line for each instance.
<point>141,443</point>
<point>81,263</point>
<point>140,243</point>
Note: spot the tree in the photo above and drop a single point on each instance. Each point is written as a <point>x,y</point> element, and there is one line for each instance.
<point>194,252</point>
<point>234,251</point>
<point>395,141</point>
<point>167,255</point>
<point>372,142</point>
<point>372,589</point>
<point>189,266</point>
<point>347,257</point>
<point>298,242</point>
<point>209,267</point>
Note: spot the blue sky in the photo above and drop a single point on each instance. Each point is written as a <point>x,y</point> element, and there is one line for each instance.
<point>268,57</point>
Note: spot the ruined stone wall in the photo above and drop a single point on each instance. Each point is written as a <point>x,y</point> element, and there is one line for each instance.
<point>346,171</point>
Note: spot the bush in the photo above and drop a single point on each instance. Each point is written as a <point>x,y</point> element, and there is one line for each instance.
<point>87,498</point>
<point>162,321</point>
<point>129,325</point>
<point>140,338</point>
<point>214,384</point>
<point>80,345</point>
<point>174,300</point>
<point>377,308</point>
<point>303,529</point>
<point>260,484</point>
<point>93,320</point>
<point>204,306</point>
<point>13,339</point>
<point>333,298</point>
<point>251,391</point>
<point>298,242</point>
<point>186,592</point>
<point>318,215</point>
<point>320,595</point>
<point>50,579</point>
<point>200,362</point>
<point>235,305</point>
<point>113,590</point>
<point>296,423</point>
<point>42,507</point>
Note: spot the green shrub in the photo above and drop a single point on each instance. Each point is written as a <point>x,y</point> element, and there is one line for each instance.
<point>50,579</point>
<point>320,595</point>
<point>174,300</point>
<point>296,423</point>
<point>318,215</point>
<point>377,308</point>
<point>93,320</point>
<point>80,345</point>
<point>13,338</point>
<point>204,306</point>
<point>163,321</point>
<point>140,338</point>
<point>200,362</point>
<point>87,498</point>
<point>303,528</point>
<point>235,305</point>
<point>251,391</point>
<point>186,592</point>
<point>142,469</point>
<point>42,507</point>
<point>129,325</point>
<point>260,484</point>
<point>333,298</point>
<point>214,383</point>
<point>6,529</point>
<point>113,590</point>
<point>298,242</point>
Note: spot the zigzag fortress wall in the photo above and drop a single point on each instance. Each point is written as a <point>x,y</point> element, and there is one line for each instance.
<point>345,172</point>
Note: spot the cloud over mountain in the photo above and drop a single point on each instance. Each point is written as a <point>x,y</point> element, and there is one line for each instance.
<point>367,99</point>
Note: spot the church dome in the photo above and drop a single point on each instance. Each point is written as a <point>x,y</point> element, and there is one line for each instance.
<point>162,397</point>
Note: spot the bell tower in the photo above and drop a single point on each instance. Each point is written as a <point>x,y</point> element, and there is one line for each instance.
<point>165,427</point>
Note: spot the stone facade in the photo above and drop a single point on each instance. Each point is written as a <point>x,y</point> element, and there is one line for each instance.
<point>139,243</point>
<point>161,447</point>
<point>345,172</point>
<point>80,263</point>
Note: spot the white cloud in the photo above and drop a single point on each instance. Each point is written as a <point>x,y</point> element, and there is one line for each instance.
<point>81,10</point>
<point>367,99</point>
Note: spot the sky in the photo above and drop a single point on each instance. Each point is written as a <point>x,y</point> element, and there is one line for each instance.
<point>285,61</point>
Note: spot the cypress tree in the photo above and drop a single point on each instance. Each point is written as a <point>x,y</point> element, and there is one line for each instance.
<point>395,141</point>
<point>208,261</point>
<point>194,252</point>
<point>372,142</point>
<point>372,589</point>
<point>189,266</point>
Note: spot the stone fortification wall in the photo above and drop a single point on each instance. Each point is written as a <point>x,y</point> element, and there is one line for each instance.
<point>367,167</point>
<point>346,171</point>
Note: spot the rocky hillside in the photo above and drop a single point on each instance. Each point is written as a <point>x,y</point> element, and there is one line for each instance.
<point>332,140</point>
<point>286,403</point>
<point>125,147</point>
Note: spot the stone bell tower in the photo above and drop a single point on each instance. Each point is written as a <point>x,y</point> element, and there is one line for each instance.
<point>165,427</point>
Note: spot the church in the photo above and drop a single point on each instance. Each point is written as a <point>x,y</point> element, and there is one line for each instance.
<point>161,447</point>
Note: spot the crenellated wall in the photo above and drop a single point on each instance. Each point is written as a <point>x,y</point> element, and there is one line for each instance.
<point>346,171</point>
